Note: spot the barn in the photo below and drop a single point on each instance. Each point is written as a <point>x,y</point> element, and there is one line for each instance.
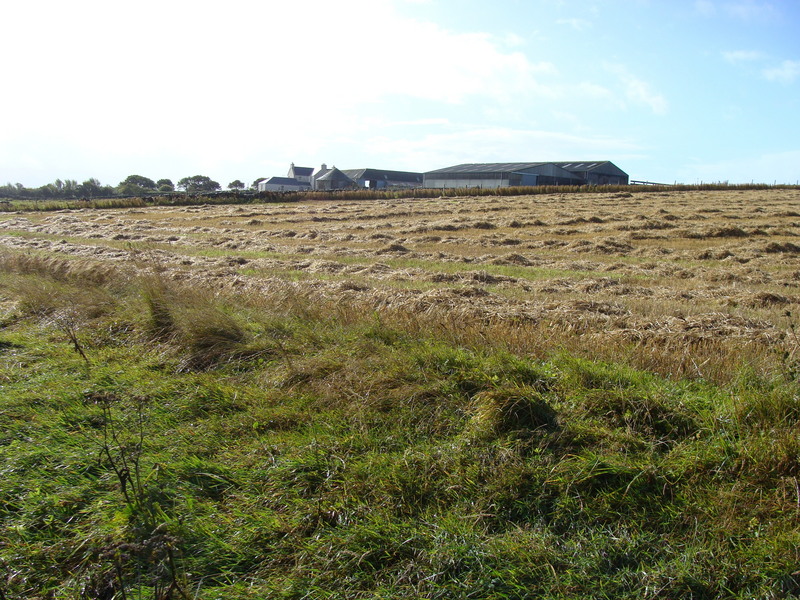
<point>596,173</point>
<point>382,179</point>
<point>497,175</point>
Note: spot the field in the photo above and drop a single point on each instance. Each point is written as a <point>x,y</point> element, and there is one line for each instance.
<point>713,272</point>
<point>562,395</point>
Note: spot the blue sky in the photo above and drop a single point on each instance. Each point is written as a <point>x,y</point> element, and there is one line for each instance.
<point>669,90</point>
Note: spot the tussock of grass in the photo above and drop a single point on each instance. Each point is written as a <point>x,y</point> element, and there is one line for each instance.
<point>512,410</point>
<point>280,446</point>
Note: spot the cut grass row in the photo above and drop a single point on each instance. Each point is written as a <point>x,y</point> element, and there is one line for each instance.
<point>273,447</point>
<point>528,273</point>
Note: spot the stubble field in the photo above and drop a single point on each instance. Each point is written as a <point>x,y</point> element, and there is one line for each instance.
<point>682,280</point>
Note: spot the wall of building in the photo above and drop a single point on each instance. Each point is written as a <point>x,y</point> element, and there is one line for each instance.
<point>498,180</point>
<point>455,180</point>
<point>263,186</point>
<point>595,178</point>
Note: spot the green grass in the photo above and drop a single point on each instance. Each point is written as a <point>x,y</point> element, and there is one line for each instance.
<point>233,447</point>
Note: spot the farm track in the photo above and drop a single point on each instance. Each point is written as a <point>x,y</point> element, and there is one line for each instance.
<point>648,268</point>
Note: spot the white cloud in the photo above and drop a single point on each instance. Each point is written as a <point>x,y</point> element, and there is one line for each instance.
<point>177,87</point>
<point>513,40</point>
<point>176,63</point>
<point>464,65</point>
<point>433,121</point>
<point>638,91</point>
<point>745,10</point>
<point>576,23</point>
<point>705,7</point>
<point>748,10</point>
<point>787,72</point>
<point>742,56</point>
<point>594,91</point>
<point>216,85</point>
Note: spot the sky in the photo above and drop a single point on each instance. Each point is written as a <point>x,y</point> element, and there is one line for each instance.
<point>670,91</point>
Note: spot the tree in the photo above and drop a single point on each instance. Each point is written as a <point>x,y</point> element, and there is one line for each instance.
<point>254,185</point>
<point>70,189</point>
<point>138,180</point>
<point>60,189</point>
<point>236,185</point>
<point>49,190</point>
<point>13,190</point>
<point>136,185</point>
<point>91,188</point>
<point>198,183</point>
<point>165,185</point>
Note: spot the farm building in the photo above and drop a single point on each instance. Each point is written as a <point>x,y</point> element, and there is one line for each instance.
<point>496,175</point>
<point>302,174</point>
<point>283,184</point>
<point>596,173</point>
<point>381,179</point>
<point>331,179</point>
<point>298,179</point>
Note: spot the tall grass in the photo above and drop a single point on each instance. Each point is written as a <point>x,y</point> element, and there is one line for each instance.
<point>283,446</point>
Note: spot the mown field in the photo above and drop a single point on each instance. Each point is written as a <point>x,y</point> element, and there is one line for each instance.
<point>555,396</point>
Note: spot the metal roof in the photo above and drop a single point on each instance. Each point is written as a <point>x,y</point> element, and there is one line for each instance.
<point>489,167</point>
<point>286,181</point>
<point>571,166</point>
<point>383,175</point>
<point>580,166</point>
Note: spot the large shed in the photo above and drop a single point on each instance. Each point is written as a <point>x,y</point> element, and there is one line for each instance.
<point>382,178</point>
<point>596,173</point>
<point>497,175</point>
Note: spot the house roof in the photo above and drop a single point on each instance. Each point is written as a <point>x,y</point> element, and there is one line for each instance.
<point>302,171</point>
<point>383,175</point>
<point>335,175</point>
<point>488,167</point>
<point>286,181</point>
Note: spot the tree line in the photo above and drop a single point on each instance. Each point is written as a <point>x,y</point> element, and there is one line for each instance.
<point>133,185</point>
